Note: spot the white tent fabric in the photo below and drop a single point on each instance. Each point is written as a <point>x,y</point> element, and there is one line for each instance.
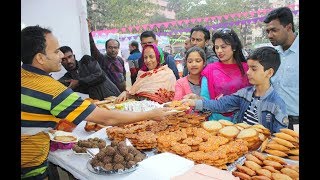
<point>66,19</point>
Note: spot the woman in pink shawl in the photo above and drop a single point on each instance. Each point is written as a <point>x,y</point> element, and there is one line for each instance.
<point>154,82</point>
<point>229,74</point>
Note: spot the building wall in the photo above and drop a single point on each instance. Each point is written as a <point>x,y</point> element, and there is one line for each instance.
<point>66,19</point>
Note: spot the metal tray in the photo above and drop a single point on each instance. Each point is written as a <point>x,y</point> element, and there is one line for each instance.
<point>101,170</point>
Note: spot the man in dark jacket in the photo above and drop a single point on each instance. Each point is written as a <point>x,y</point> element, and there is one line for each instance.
<point>135,54</point>
<point>86,76</point>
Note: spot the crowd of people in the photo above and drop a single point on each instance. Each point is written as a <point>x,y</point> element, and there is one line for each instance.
<point>262,88</point>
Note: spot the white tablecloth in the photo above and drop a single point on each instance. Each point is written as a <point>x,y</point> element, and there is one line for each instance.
<point>156,167</point>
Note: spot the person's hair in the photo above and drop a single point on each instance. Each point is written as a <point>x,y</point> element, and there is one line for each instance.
<point>202,29</point>
<point>111,40</point>
<point>284,14</point>
<point>33,41</point>
<point>267,56</point>
<point>157,52</point>
<point>135,44</point>
<point>196,49</point>
<point>230,37</point>
<point>65,49</point>
<point>147,34</point>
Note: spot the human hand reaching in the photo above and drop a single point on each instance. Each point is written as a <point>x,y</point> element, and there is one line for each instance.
<point>189,102</point>
<point>159,114</point>
<point>191,96</point>
<point>122,97</point>
<point>73,83</point>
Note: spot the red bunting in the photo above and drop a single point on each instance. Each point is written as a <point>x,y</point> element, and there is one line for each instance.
<point>260,12</point>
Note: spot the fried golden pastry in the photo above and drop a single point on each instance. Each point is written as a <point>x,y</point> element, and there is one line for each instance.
<point>246,170</point>
<point>274,164</point>
<point>253,158</point>
<point>243,125</point>
<point>262,137</point>
<point>290,132</point>
<point>258,155</point>
<point>229,131</point>
<point>290,172</point>
<point>225,122</point>
<point>276,159</point>
<point>257,129</point>
<point>278,176</point>
<point>247,133</point>
<point>277,147</point>
<point>211,126</point>
<point>293,167</point>
<point>285,136</point>
<point>260,178</point>
<point>241,175</point>
<point>252,165</point>
<point>283,142</point>
<point>294,152</point>
<point>296,158</point>
<point>264,145</point>
<point>264,172</point>
<point>276,152</point>
<point>65,138</point>
<point>271,169</point>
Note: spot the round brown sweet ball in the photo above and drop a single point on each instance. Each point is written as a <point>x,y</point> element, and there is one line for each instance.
<point>118,158</point>
<point>138,158</point>
<point>118,166</point>
<point>130,164</point>
<point>100,156</point>
<point>110,151</point>
<point>128,157</point>
<point>114,143</point>
<point>100,164</point>
<point>101,144</point>
<point>131,149</point>
<point>107,159</point>
<point>143,155</point>
<point>108,167</point>
<point>79,143</point>
<point>75,147</point>
<point>123,150</point>
<point>136,152</point>
<point>104,150</point>
<point>96,139</point>
<point>94,162</point>
<point>86,144</point>
<point>122,143</point>
<point>82,150</point>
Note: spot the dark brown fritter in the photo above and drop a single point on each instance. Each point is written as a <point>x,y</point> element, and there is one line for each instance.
<point>118,166</point>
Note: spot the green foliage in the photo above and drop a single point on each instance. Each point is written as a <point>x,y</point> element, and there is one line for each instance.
<point>192,9</point>
<point>116,14</point>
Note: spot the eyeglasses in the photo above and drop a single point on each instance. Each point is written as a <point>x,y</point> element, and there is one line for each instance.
<point>224,31</point>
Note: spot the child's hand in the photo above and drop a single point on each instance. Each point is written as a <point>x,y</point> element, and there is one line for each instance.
<point>191,96</point>
<point>189,102</point>
<point>218,97</point>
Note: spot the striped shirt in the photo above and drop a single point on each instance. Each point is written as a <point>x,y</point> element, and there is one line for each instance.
<point>251,115</point>
<point>44,102</point>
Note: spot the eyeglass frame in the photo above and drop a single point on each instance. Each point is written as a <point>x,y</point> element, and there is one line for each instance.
<point>225,31</point>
